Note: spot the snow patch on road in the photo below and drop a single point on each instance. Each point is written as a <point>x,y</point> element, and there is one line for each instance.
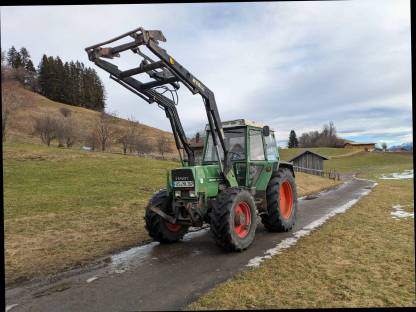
<point>407,174</point>
<point>399,213</point>
<point>306,230</point>
<point>121,261</point>
<point>136,253</point>
<point>9,307</point>
<point>195,233</point>
<point>91,279</point>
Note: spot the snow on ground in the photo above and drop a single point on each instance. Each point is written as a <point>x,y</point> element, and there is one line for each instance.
<point>399,213</point>
<point>9,307</point>
<point>407,174</point>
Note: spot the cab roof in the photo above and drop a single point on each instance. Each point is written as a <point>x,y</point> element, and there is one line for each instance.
<point>240,122</point>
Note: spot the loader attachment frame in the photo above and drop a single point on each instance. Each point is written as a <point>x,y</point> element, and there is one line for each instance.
<point>165,71</point>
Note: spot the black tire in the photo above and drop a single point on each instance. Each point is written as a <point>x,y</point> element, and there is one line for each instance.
<point>275,221</point>
<point>156,226</point>
<point>223,222</point>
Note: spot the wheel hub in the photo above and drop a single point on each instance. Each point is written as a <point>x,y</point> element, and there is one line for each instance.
<point>242,219</point>
<point>239,219</point>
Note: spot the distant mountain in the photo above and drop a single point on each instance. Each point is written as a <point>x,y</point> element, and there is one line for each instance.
<point>402,147</point>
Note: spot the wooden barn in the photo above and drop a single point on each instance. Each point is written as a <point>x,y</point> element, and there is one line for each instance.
<point>309,162</point>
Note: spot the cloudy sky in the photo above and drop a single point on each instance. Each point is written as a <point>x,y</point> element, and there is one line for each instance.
<point>292,65</point>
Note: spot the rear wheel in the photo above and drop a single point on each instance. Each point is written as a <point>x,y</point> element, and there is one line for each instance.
<point>158,228</point>
<point>234,219</point>
<point>281,202</point>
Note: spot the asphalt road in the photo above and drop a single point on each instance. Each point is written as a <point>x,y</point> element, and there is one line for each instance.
<point>168,277</point>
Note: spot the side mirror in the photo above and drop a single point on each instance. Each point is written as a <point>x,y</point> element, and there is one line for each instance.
<point>266,131</point>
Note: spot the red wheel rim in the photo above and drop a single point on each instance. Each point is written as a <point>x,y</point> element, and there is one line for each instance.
<point>286,199</point>
<point>242,219</point>
<point>173,227</point>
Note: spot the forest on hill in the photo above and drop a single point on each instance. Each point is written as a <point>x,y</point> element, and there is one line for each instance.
<point>70,82</point>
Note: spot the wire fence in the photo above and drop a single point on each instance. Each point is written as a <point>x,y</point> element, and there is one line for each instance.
<point>331,174</point>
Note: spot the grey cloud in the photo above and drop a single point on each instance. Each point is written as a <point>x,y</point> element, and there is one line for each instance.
<point>292,65</point>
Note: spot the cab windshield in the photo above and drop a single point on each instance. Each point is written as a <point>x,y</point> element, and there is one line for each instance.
<point>234,141</point>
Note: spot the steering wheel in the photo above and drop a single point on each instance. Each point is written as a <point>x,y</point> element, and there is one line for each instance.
<point>235,155</point>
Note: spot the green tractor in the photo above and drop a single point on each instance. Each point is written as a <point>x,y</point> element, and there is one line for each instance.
<point>241,175</point>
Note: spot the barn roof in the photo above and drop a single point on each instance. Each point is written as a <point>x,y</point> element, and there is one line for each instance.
<point>310,152</point>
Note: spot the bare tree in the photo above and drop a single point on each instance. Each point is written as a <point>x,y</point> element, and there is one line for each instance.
<point>3,63</point>
<point>104,130</point>
<point>326,138</point>
<point>163,145</point>
<point>66,131</point>
<point>91,139</point>
<point>384,146</point>
<point>127,136</point>
<point>46,128</point>
<point>142,145</point>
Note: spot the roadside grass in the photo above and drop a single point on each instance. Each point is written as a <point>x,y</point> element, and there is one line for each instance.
<point>362,258</point>
<point>307,184</point>
<point>372,164</point>
<point>65,207</point>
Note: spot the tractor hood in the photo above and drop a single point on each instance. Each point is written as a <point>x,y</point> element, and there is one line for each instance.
<point>201,179</point>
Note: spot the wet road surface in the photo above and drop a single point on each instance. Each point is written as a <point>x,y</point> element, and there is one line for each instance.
<point>169,277</point>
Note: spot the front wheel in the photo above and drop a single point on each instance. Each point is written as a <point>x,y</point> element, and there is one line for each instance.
<point>234,219</point>
<point>157,227</point>
<point>282,202</point>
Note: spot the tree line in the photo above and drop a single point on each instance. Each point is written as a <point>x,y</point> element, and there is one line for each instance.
<point>74,84</point>
<point>65,129</point>
<point>70,82</point>
<point>327,137</point>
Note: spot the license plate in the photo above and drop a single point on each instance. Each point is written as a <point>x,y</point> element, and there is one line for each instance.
<point>183,183</point>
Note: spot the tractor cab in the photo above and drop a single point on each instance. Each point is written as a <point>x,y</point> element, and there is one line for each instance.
<point>229,193</point>
<point>250,145</point>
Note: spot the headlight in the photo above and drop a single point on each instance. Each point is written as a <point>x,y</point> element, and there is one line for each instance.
<point>192,194</point>
<point>177,193</point>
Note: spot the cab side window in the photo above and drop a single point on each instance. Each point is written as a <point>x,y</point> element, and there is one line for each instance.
<point>256,145</point>
<point>271,147</point>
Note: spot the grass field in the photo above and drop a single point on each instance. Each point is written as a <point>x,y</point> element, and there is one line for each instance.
<point>65,207</point>
<point>363,258</point>
<point>288,153</point>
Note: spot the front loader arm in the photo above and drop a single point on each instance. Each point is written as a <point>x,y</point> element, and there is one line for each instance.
<point>166,71</point>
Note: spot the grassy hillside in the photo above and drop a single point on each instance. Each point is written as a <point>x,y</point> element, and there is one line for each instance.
<point>34,105</point>
<point>371,165</point>
<point>65,207</point>
<point>288,153</point>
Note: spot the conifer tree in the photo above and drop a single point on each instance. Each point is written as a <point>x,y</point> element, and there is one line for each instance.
<point>293,140</point>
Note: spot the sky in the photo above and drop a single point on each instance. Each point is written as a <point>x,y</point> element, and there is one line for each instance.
<point>291,65</point>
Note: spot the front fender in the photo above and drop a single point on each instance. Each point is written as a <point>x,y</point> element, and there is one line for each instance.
<point>288,165</point>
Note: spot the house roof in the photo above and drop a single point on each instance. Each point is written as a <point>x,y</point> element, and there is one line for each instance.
<point>311,152</point>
